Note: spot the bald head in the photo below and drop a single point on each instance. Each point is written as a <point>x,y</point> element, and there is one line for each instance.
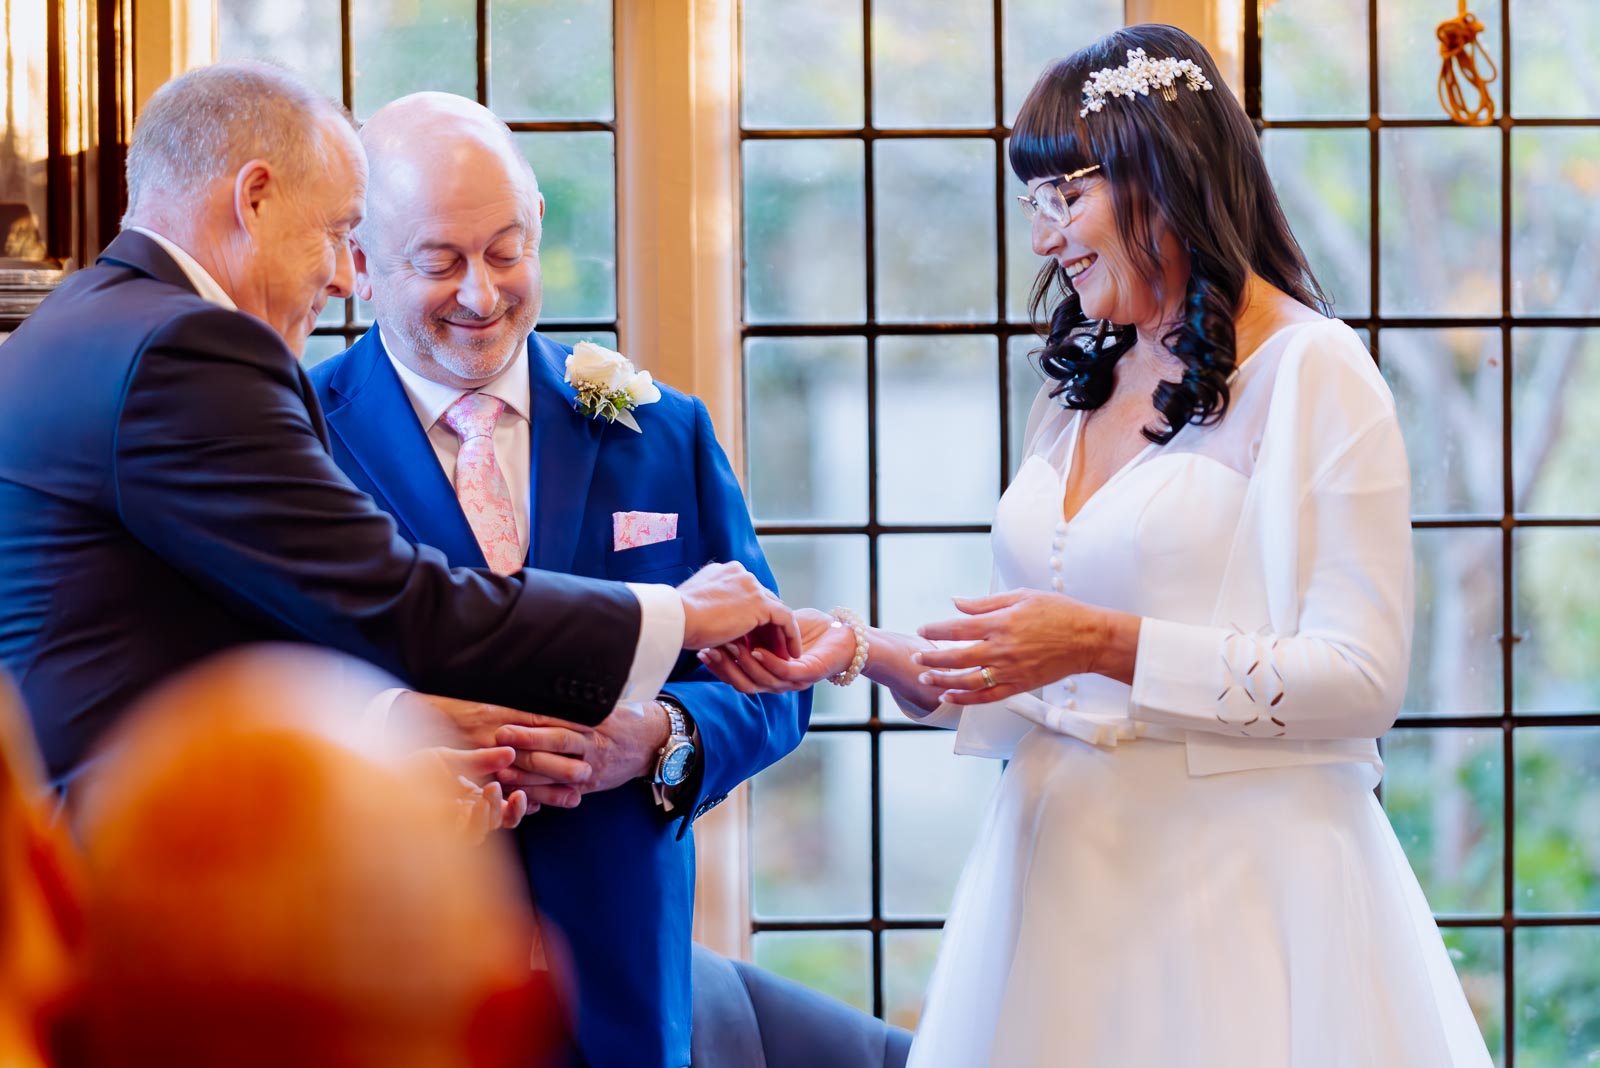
<point>427,140</point>
<point>449,251</point>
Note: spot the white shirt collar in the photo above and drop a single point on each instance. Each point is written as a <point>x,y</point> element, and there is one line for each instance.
<point>430,399</point>
<point>202,281</point>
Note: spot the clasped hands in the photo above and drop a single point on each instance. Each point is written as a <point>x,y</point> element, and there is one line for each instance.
<point>1025,638</point>
<point>509,763</point>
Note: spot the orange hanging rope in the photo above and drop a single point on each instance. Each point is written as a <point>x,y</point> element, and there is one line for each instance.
<point>1458,44</point>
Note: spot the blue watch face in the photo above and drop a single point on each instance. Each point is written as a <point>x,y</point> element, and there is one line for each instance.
<point>676,766</point>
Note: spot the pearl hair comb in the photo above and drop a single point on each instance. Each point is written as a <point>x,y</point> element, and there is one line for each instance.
<point>1138,76</point>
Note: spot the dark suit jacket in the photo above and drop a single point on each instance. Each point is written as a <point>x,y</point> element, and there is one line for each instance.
<point>166,492</point>
<point>614,874</point>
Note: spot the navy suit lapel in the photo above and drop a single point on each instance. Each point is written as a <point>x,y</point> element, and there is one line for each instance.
<point>565,446</point>
<point>378,425</point>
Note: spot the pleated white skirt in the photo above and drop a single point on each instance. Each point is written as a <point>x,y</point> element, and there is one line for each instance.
<point>1118,913</point>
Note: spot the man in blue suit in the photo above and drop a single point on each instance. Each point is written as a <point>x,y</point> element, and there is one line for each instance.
<point>166,491</point>
<point>449,257</point>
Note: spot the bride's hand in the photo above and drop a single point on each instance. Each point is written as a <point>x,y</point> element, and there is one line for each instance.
<point>1026,638</point>
<point>829,646</point>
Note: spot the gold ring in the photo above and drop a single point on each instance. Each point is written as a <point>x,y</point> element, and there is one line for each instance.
<point>988,678</point>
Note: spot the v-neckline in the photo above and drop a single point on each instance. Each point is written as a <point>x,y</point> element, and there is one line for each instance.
<point>1063,521</point>
<point>1078,424</point>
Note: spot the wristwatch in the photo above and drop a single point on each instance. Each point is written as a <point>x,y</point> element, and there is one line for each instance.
<point>672,759</point>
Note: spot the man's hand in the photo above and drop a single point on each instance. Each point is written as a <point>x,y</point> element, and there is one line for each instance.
<point>829,648</point>
<point>622,748</point>
<point>549,773</point>
<point>723,603</point>
<point>481,808</point>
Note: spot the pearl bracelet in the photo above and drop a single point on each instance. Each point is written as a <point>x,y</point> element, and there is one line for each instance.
<point>843,617</point>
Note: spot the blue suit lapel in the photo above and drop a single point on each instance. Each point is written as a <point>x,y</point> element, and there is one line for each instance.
<point>378,425</point>
<point>565,446</point>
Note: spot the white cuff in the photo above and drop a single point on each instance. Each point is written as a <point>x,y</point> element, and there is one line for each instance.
<point>661,625</point>
<point>375,716</point>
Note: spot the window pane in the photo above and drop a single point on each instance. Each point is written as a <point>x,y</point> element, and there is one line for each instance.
<point>404,46</point>
<point>821,571</point>
<point>917,576</point>
<point>802,63</point>
<point>933,804</point>
<point>1557,573</point>
<point>1558,819</point>
<point>1447,389</point>
<point>1302,77</point>
<point>1037,34</point>
<point>1444,791</point>
<point>949,383</point>
<point>578,253</point>
<point>810,831</point>
<point>936,230</point>
<point>838,963</point>
<point>1323,178</point>
<point>1479,954</point>
<point>1023,381</point>
<point>550,59</point>
<point>1553,45</point>
<point>804,231</point>
<point>932,64</point>
<point>1439,206</point>
<point>806,421</point>
<point>302,35</point>
<point>1456,665</point>
<point>1022,266</point>
<point>572,337</point>
<point>1558,996</point>
<point>1556,447</point>
<point>908,959</point>
<point>320,347</point>
<point>1554,227</point>
<point>1408,56</point>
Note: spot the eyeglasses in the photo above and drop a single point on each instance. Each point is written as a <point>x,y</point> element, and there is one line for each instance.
<point>1050,199</point>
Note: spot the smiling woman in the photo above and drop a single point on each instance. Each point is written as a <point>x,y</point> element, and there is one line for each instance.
<point>1166,193</point>
<point>1198,628</point>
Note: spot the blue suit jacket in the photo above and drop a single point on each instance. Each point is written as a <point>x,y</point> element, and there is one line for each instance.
<point>615,874</point>
<point>166,493</point>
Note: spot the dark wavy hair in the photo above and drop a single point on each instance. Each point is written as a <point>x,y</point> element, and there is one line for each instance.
<point>1195,164</point>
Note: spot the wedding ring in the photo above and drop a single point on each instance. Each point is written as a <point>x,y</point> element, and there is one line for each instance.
<point>988,678</point>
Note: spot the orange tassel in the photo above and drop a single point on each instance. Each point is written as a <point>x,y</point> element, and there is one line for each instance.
<point>1458,44</point>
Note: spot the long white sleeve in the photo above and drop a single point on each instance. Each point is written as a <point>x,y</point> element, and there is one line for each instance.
<point>1341,672</point>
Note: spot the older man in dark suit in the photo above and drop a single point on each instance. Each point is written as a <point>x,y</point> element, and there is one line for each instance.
<point>166,490</point>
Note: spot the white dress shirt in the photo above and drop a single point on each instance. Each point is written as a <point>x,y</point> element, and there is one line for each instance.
<point>661,622</point>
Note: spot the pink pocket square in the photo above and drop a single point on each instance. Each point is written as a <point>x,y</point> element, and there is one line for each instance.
<point>631,530</point>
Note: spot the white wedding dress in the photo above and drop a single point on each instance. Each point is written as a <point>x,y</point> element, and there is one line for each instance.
<point>1119,912</point>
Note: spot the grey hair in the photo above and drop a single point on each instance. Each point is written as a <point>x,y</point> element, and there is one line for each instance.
<point>206,124</point>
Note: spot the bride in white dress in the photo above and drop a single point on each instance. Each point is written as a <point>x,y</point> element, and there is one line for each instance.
<point>1203,624</point>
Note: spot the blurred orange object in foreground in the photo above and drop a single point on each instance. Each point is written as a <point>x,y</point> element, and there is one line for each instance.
<point>266,892</point>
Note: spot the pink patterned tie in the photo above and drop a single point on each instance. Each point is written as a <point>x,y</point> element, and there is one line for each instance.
<point>480,487</point>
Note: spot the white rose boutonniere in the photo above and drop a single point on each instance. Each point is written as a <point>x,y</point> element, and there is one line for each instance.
<point>608,384</point>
